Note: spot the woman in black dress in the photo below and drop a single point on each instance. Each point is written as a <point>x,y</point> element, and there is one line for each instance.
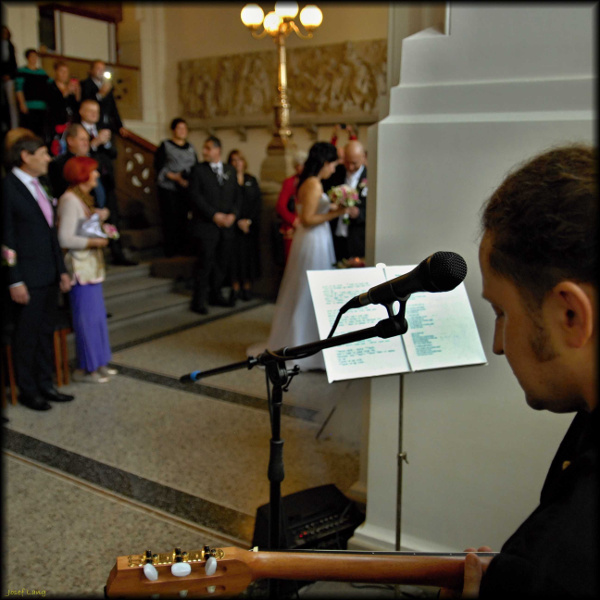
<point>245,263</point>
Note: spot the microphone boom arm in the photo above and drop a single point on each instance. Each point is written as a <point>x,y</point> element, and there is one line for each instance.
<point>386,328</point>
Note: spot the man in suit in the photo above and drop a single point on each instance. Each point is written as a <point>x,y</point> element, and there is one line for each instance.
<point>216,199</point>
<point>102,149</point>
<point>35,271</point>
<point>349,238</point>
<point>97,87</point>
<point>78,144</point>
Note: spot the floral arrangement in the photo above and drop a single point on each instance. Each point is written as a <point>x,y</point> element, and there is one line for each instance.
<point>111,231</point>
<point>345,196</point>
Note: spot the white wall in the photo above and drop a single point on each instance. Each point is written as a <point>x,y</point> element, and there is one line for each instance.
<point>506,83</point>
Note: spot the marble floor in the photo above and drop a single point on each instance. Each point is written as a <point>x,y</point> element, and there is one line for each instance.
<point>148,462</point>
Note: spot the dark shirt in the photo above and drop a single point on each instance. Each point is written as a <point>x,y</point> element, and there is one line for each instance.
<point>554,553</point>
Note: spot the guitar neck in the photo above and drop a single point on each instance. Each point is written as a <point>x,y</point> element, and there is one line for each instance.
<point>235,569</point>
<point>438,570</point>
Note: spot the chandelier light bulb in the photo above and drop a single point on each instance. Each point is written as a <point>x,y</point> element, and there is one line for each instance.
<point>272,22</point>
<point>286,10</point>
<point>311,16</point>
<point>252,15</point>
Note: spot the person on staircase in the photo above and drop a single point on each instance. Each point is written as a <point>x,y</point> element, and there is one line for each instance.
<point>101,144</point>
<point>216,199</point>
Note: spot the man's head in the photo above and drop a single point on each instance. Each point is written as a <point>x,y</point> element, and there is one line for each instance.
<point>211,151</point>
<point>538,258</point>
<point>30,154</point>
<point>89,111</point>
<point>97,69</point>
<point>78,139</point>
<point>354,156</point>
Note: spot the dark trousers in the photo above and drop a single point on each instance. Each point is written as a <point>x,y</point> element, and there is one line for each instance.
<point>173,213</point>
<point>213,250</point>
<point>33,340</point>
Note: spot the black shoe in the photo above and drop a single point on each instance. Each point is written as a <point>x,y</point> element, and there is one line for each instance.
<point>246,295</point>
<point>201,310</point>
<point>218,301</point>
<point>56,396</point>
<point>124,262</point>
<point>34,403</point>
<point>4,420</point>
<point>233,296</point>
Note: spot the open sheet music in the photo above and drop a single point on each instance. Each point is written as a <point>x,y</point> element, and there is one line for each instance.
<point>441,328</point>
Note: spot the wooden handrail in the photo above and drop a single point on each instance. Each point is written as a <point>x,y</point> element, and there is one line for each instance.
<point>140,141</point>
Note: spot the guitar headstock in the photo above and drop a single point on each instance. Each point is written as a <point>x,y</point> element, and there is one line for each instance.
<point>206,573</point>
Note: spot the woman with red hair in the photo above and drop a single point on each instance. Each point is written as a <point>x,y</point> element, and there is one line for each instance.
<point>85,262</point>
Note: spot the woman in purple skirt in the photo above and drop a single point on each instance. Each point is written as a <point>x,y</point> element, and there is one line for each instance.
<point>85,262</point>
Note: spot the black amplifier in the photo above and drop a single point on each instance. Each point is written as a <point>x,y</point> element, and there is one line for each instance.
<point>317,518</point>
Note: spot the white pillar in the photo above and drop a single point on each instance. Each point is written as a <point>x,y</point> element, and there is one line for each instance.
<point>506,83</point>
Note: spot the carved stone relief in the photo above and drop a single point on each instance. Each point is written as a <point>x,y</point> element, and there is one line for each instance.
<point>335,79</point>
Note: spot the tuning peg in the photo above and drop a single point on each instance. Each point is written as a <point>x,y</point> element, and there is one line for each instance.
<point>211,565</point>
<point>181,569</point>
<point>150,572</point>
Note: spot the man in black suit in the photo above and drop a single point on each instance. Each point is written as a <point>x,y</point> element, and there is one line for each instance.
<point>349,239</point>
<point>102,149</point>
<point>216,199</point>
<point>35,271</point>
<point>97,87</point>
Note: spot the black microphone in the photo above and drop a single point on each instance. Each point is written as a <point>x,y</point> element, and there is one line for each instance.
<point>440,272</point>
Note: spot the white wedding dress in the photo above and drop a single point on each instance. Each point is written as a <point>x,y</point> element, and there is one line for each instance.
<point>294,322</point>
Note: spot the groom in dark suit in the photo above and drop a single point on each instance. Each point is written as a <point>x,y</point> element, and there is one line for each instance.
<point>216,199</point>
<point>35,271</point>
<point>349,238</point>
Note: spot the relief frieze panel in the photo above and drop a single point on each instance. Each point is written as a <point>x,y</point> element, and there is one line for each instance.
<point>324,82</point>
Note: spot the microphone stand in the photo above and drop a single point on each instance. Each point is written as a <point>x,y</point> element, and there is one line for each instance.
<point>280,377</point>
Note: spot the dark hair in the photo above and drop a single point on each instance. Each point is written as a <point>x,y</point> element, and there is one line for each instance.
<point>318,155</point>
<point>29,51</point>
<point>176,122</point>
<point>241,155</point>
<point>28,143</point>
<point>73,129</point>
<point>543,221</point>
<point>60,63</point>
<point>214,139</point>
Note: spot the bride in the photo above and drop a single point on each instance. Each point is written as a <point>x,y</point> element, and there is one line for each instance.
<point>294,322</point>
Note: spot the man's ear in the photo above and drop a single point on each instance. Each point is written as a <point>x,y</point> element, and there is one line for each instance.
<point>574,304</point>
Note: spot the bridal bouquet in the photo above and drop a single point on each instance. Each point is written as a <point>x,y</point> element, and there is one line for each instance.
<point>92,227</point>
<point>345,196</point>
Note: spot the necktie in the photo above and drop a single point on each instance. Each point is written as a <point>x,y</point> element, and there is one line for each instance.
<point>219,173</point>
<point>43,202</point>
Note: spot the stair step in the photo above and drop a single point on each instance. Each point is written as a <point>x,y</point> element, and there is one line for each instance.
<point>136,288</point>
<point>129,306</point>
<point>118,273</point>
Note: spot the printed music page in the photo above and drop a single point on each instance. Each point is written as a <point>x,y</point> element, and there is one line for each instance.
<point>442,332</point>
<point>330,290</point>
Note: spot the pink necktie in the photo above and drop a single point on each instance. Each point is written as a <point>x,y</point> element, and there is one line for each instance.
<point>44,203</point>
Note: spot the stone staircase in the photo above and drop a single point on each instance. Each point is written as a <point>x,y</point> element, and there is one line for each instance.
<point>141,305</point>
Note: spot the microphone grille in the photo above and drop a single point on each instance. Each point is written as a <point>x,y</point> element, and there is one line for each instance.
<point>447,270</point>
